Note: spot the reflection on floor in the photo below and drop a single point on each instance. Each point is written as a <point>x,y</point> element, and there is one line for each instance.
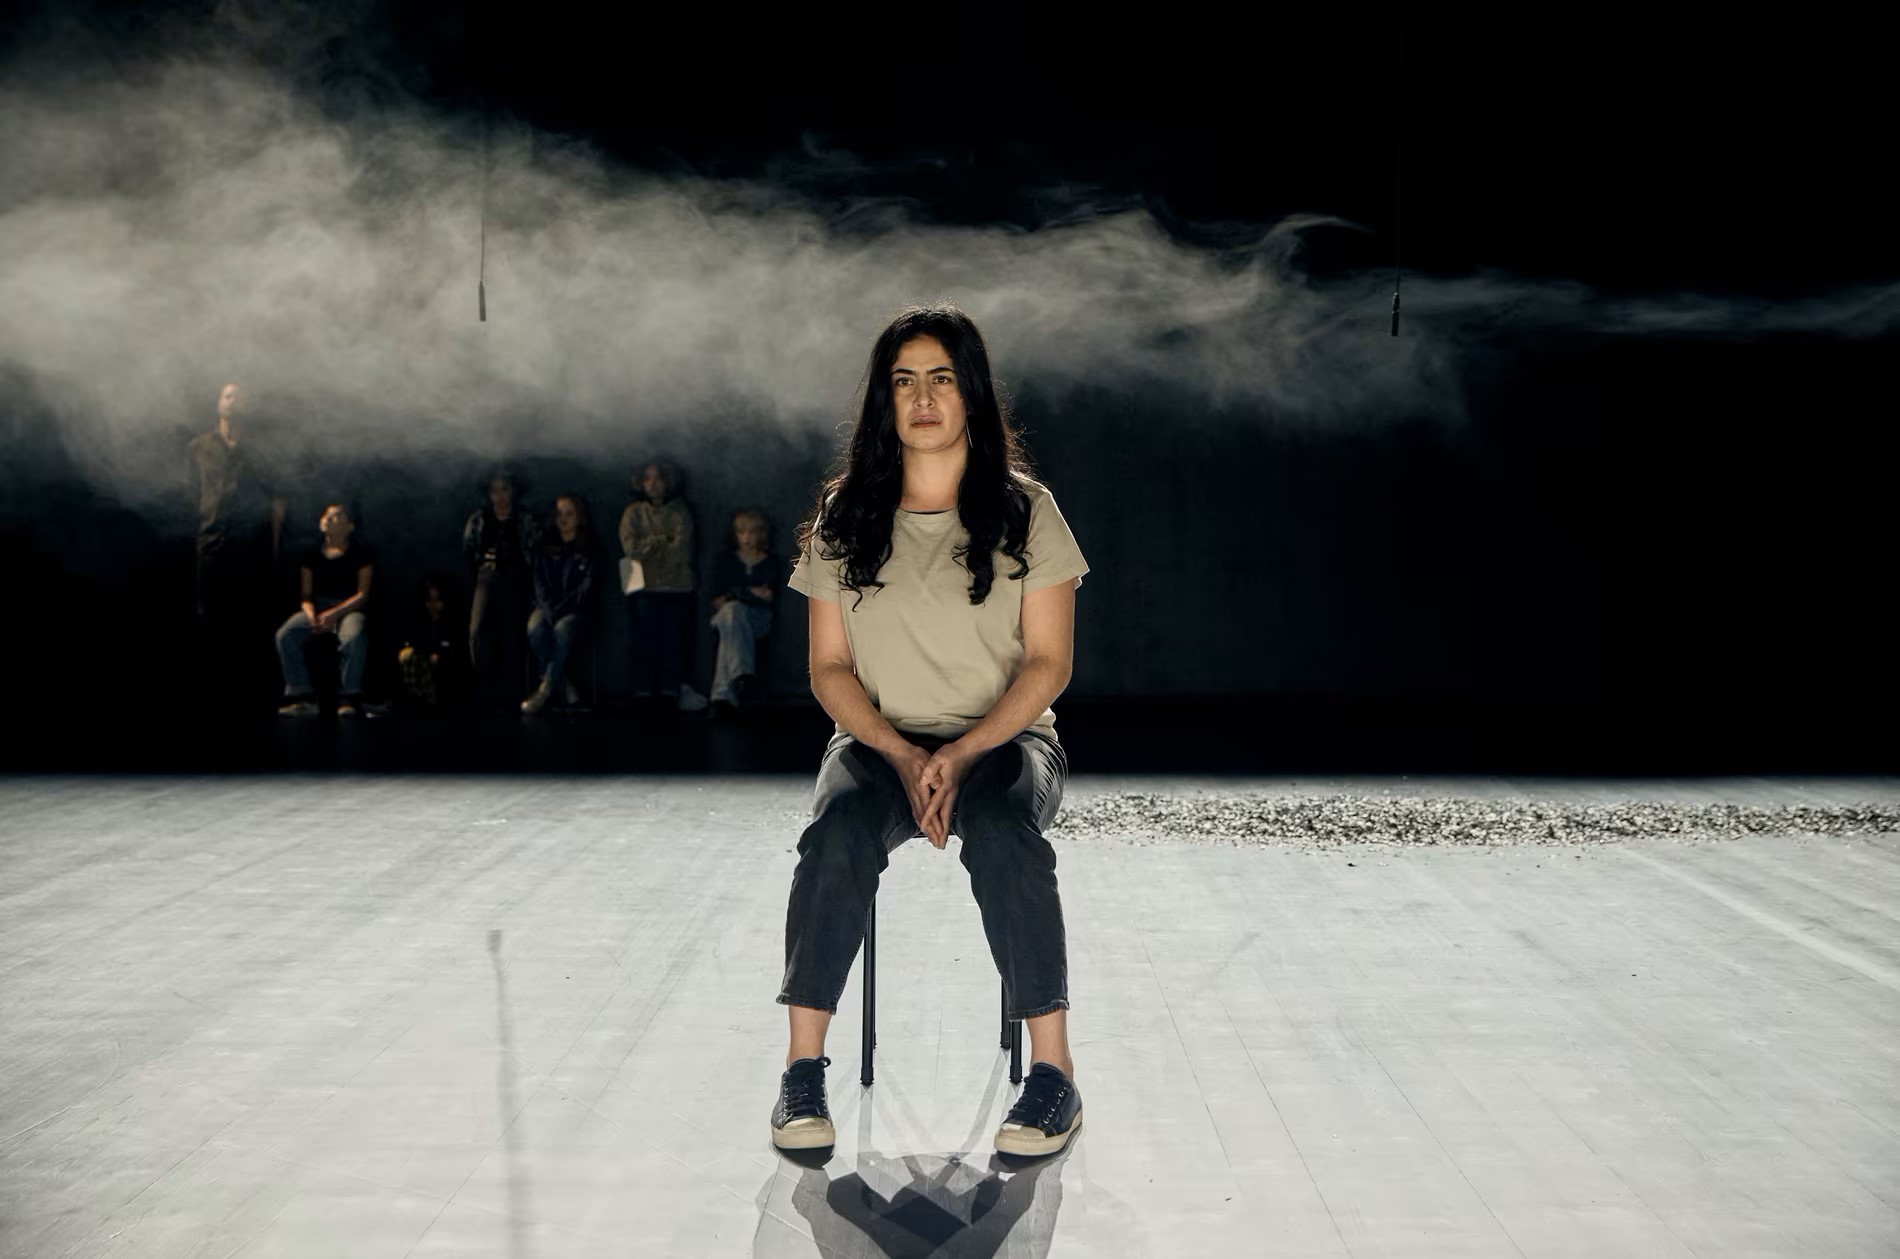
<point>533,1016</point>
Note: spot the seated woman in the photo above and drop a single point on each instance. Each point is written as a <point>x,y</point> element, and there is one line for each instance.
<point>745,582</point>
<point>434,654</point>
<point>335,582</point>
<point>940,582</point>
<point>563,584</point>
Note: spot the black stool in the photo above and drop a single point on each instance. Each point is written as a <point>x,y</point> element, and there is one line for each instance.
<point>1012,1029</point>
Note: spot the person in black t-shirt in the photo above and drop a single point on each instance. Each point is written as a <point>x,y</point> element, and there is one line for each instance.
<point>336,577</point>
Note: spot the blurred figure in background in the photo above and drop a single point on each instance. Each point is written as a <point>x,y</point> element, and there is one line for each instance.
<point>434,654</point>
<point>656,535</point>
<point>240,530</point>
<point>745,582</point>
<point>563,594</point>
<point>497,542</point>
<point>335,579</point>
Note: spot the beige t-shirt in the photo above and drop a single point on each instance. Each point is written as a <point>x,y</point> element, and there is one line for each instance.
<point>931,662</point>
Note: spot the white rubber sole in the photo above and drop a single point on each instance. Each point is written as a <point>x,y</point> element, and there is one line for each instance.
<point>805,1134</point>
<point>1030,1142</point>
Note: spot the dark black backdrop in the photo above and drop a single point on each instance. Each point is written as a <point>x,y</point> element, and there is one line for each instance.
<point>1678,544</point>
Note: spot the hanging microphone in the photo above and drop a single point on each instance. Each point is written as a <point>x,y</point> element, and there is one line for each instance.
<point>1398,179</point>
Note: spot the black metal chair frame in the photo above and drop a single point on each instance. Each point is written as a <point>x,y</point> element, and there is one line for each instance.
<point>1011,1037</point>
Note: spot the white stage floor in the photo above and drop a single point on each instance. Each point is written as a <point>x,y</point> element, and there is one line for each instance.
<point>534,1017</point>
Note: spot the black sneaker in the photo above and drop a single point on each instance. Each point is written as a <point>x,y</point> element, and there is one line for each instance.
<point>1046,1114</point>
<point>801,1120</point>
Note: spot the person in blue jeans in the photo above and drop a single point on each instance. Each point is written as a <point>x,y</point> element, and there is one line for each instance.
<point>941,586</point>
<point>335,580</point>
<point>563,593</point>
<point>745,582</point>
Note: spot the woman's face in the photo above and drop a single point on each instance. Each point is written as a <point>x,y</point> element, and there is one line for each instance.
<point>750,533</point>
<point>567,518</point>
<point>653,483</point>
<point>501,496</point>
<point>928,404</point>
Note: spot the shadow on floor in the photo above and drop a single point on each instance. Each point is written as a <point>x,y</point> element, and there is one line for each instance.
<point>933,1204</point>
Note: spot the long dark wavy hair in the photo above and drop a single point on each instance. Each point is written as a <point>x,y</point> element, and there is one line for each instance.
<point>857,503</point>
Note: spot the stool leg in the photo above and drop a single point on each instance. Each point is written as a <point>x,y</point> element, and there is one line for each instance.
<point>870,993</point>
<point>1002,1035</point>
<point>1016,1052</point>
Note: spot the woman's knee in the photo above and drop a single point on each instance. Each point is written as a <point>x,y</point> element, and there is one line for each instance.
<point>841,849</point>
<point>859,804</point>
<point>1000,814</point>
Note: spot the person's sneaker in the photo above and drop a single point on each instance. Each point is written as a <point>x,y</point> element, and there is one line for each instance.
<point>346,709</point>
<point>1046,1114</point>
<point>537,701</point>
<point>801,1120</point>
<point>691,701</point>
<point>297,708</point>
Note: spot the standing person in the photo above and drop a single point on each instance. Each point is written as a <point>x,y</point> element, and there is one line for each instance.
<point>240,531</point>
<point>745,582</point>
<point>656,532</point>
<point>335,579</point>
<point>563,591</point>
<point>941,583</point>
<point>497,541</point>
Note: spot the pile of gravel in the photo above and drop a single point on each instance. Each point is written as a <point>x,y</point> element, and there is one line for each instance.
<point>1258,819</point>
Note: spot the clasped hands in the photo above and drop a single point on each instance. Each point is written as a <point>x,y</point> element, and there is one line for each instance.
<point>931,781</point>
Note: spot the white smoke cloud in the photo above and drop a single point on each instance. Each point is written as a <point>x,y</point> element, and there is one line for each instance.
<point>202,219</point>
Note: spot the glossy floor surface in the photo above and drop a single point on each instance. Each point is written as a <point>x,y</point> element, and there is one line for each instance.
<point>410,1016</point>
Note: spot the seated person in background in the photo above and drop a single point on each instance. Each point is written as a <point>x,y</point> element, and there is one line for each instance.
<point>745,582</point>
<point>434,655</point>
<point>563,584</point>
<point>335,581</point>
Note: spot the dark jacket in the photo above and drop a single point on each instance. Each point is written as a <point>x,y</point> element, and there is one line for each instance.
<point>731,578</point>
<point>500,546</point>
<point>563,578</point>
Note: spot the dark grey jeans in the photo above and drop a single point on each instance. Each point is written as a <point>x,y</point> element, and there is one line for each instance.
<point>860,815</point>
